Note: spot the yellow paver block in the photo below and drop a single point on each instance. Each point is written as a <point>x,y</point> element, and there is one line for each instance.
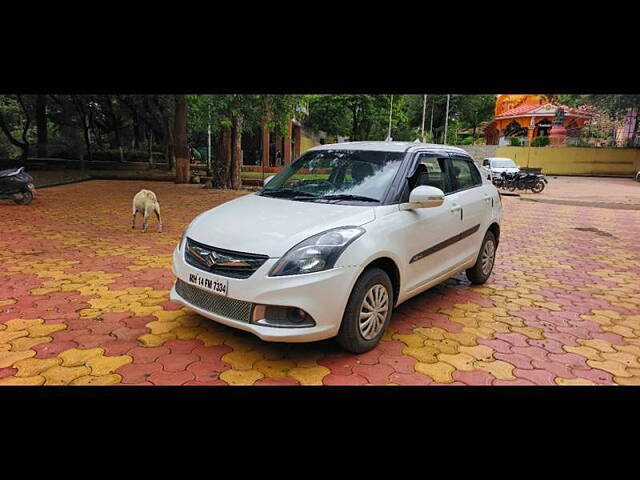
<point>588,352</point>
<point>431,333</point>
<point>211,338</point>
<point>151,340</point>
<point>617,369</point>
<point>26,343</point>
<point>621,330</point>
<point>111,379</point>
<point>460,361</point>
<point>159,328</point>
<point>635,380</point>
<point>169,315</point>
<point>5,347</point>
<point>633,349</point>
<point>608,313</point>
<point>74,356</point>
<point>10,301</point>
<point>7,336</point>
<point>34,366</point>
<point>240,360</point>
<point>103,365</point>
<point>45,330</point>
<point>241,377</point>
<point>499,369</point>
<point>24,381</point>
<point>422,354</point>
<point>445,346</point>
<point>275,369</point>
<point>463,338</point>
<point>22,324</point>
<point>479,352</point>
<point>7,359</point>
<point>309,375</point>
<point>531,332</point>
<point>242,344</point>
<point>598,344</point>
<point>625,358</point>
<point>64,375</point>
<point>413,340</point>
<point>440,372</point>
<point>190,321</point>
<point>573,381</point>
<point>185,333</point>
<point>482,332</point>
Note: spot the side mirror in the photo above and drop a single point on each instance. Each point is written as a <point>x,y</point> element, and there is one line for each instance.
<point>424,197</point>
<point>267,180</point>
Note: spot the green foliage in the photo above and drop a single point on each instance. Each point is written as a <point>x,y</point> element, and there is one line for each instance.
<point>541,141</point>
<point>515,142</point>
<point>466,141</point>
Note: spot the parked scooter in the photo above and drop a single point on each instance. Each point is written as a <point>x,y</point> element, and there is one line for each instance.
<point>17,185</point>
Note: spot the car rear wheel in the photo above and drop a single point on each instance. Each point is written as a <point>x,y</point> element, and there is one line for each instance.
<point>368,312</point>
<point>481,271</point>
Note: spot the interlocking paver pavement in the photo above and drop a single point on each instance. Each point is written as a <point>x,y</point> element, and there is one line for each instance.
<point>84,301</point>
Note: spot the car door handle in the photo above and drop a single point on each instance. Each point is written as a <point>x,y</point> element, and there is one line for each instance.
<point>456,208</point>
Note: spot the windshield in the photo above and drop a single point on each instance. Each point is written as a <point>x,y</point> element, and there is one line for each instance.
<point>338,175</point>
<point>503,164</point>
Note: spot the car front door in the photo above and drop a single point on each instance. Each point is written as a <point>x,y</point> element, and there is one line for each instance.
<point>426,233</point>
<point>474,202</point>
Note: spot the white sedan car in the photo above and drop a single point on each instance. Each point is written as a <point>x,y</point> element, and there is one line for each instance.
<point>497,165</point>
<point>339,238</point>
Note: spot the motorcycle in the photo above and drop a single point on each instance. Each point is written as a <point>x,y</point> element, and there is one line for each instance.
<point>521,181</point>
<point>17,185</point>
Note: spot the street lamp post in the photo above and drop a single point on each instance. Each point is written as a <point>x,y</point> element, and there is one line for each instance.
<point>390,113</point>
<point>209,140</point>
<point>424,108</point>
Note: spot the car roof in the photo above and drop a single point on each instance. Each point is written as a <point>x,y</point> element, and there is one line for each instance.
<point>389,147</point>
<point>499,158</point>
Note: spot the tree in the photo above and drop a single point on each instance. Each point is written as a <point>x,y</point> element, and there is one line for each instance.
<point>183,173</point>
<point>16,115</point>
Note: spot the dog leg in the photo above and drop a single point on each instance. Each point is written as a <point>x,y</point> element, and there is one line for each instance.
<point>157,210</point>
<point>133,218</point>
<point>145,219</point>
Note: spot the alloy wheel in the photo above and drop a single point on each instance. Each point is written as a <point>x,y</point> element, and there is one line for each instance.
<point>373,312</point>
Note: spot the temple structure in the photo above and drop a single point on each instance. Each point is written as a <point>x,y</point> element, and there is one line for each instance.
<point>530,116</point>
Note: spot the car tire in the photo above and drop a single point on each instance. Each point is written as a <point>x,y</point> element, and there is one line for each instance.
<point>24,199</point>
<point>481,271</point>
<point>355,334</point>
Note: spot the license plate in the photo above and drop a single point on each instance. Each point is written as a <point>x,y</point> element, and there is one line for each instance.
<point>218,286</point>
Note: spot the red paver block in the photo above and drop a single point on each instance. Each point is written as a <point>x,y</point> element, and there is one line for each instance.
<point>134,373</point>
<point>273,381</point>
<point>183,346</point>
<point>410,379</point>
<point>538,377</point>
<point>119,347</point>
<point>52,349</point>
<point>399,363</point>
<point>92,341</point>
<point>170,378</point>
<point>473,378</point>
<point>176,362</point>
<point>333,379</point>
<point>147,354</point>
<point>340,365</point>
<point>519,361</point>
<point>375,374</point>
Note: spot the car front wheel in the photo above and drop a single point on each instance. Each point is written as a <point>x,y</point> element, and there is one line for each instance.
<point>481,271</point>
<point>368,312</point>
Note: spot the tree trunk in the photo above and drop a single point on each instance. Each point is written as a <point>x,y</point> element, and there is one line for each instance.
<point>228,157</point>
<point>150,141</point>
<point>236,160</point>
<point>183,167</point>
<point>41,124</point>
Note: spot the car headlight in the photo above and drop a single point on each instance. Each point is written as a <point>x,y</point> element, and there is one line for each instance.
<point>316,253</point>
<point>184,233</point>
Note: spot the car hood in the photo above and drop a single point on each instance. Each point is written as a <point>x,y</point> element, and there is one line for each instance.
<point>505,169</point>
<point>271,226</point>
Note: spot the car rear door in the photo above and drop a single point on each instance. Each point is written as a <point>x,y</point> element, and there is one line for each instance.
<point>474,204</point>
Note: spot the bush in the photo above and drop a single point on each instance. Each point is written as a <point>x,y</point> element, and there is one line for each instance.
<point>467,141</point>
<point>515,142</point>
<point>542,141</point>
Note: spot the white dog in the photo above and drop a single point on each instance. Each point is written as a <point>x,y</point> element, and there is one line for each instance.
<point>144,202</point>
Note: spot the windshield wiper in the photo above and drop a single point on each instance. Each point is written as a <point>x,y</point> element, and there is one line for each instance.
<point>344,196</point>
<point>286,192</point>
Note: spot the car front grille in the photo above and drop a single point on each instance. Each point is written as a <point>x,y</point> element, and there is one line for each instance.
<point>216,304</point>
<point>222,262</point>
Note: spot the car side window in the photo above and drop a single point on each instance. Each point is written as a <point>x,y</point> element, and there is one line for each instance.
<point>485,163</point>
<point>465,174</point>
<point>431,171</point>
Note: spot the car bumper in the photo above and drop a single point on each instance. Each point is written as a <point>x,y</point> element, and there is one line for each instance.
<point>323,295</point>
